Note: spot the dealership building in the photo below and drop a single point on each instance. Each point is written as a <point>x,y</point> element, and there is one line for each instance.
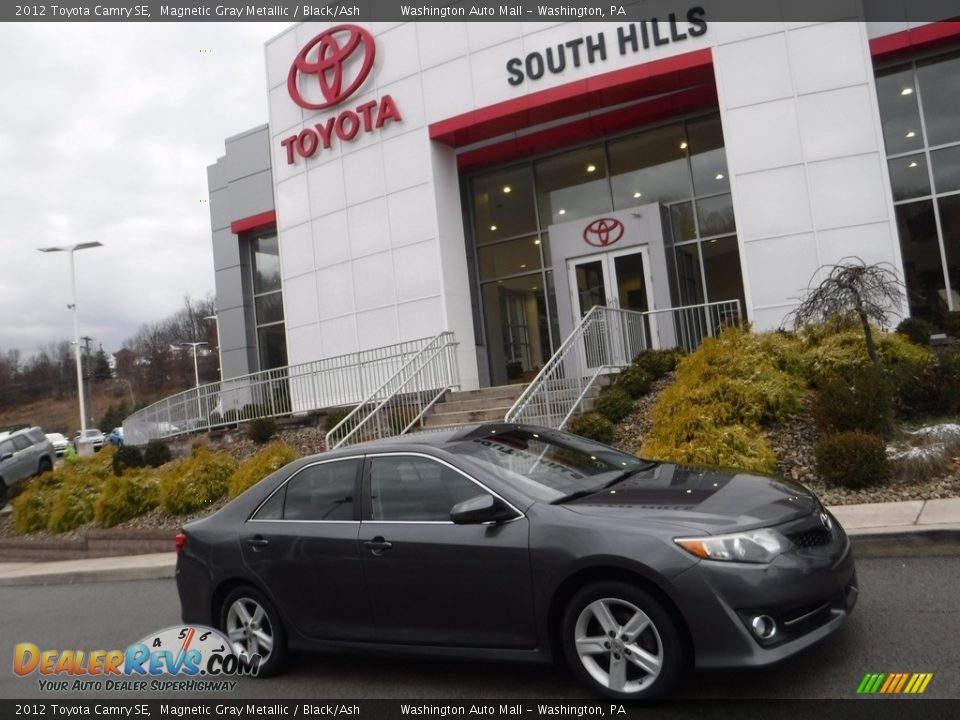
<point>496,180</point>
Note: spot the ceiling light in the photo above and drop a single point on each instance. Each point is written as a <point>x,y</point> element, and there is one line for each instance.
<point>913,164</point>
<point>683,145</point>
<point>537,241</point>
<point>911,134</point>
<point>493,227</point>
<point>719,176</point>
<point>638,194</point>
<point>534,288</point>
<point>907,91</point>
<point>522,265</point>
<point>591,168</point>
<point>506,188</point>
<point>561,211</point>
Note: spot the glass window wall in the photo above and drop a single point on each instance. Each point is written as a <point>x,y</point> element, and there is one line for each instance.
<point>680,164</point>
<point>920,113</point>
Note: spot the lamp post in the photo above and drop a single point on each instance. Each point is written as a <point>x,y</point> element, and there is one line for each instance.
<point>76,323</point>
<point>196,374</point>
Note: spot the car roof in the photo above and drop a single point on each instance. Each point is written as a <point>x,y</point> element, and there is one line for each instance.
<point>430,439</point>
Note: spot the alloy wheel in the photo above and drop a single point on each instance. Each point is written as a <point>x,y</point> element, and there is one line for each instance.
<point>618,645</point>
<point>249,629</point>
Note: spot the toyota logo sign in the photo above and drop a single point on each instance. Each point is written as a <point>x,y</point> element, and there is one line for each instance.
<point>327,58</point>
<point>603,232</point>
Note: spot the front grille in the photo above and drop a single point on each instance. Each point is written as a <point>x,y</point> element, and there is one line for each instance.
<point>815,537</point>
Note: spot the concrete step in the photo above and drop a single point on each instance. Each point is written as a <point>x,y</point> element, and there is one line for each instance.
<point>475,404</point>
<point>491,393</point>
<point>466,417</point>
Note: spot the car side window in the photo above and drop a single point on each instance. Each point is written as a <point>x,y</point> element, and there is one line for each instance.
<point>6,448</point>
<point>322,492</point>
<point>404,488</point>
<point>272,509</point>
<point>20,442</point>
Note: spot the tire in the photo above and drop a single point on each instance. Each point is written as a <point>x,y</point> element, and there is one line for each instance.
<point>246,603</point>
<point>605,651</point>
<point>3,494</point>
<point>45,466</point>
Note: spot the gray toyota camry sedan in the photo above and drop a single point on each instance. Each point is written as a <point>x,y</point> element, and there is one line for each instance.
<point>514,542</point>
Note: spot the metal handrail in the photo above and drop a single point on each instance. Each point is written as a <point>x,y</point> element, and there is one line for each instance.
<point>295,389</point>
<point>607,340</point>
<point>404,399</point>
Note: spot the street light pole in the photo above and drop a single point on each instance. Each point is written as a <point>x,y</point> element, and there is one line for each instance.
<point>196,375</point>
<point>70,249</point>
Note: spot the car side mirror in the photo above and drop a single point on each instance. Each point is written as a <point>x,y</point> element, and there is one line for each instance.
<point>481,509</point>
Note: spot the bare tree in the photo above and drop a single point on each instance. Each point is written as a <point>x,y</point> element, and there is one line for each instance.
<point>853,288</point>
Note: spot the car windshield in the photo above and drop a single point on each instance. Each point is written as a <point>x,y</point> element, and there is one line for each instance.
<point>546,464</point>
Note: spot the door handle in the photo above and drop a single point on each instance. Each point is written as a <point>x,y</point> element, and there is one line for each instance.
<point>257,541</point>
<point>378,545</point>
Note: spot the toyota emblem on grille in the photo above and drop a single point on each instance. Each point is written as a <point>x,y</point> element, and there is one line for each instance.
<point>603,232</point>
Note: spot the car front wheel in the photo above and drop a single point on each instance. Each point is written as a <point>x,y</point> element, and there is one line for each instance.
<point>620,641</point>
<point>253,627</point>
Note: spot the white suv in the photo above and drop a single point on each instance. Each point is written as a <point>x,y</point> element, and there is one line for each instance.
<point>23,454</point>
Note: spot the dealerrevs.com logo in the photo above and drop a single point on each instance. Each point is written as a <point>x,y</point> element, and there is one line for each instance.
<point>199,658</point>
<point>326,72</point>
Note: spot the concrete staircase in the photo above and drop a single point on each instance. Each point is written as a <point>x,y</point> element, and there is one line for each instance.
<point>474,406</point>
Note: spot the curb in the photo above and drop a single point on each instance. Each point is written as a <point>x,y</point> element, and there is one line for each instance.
<point>915,542</point>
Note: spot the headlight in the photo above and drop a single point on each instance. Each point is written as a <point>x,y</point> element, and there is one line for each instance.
<point>755,546</point>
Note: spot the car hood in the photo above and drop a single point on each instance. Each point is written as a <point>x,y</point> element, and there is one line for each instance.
<point>711,501</point>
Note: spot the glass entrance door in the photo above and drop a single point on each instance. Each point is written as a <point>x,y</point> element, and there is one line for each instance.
<point>614,279</point>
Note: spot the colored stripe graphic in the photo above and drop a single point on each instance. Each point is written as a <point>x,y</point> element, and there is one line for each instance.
<point>894,683</point>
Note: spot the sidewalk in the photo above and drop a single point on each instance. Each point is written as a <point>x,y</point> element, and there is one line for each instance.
<point>879,529</point>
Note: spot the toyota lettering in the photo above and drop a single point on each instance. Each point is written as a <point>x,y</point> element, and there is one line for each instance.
<point>327,71</point>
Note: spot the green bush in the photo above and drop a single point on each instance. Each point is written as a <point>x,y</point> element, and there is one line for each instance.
<point>335,416</point>
<point>855,401</point>
<point>130,495</point>
<point>126,456</point>
<point>614,404</point>
<point>951,323</point>
<point>157,453</point>
<point>935,389</point>
<point>634,380</point>
<point>845,353</point>
<point>852,459</point>
<point>31,508</point>
<point>593,426</point>
<point>270,459</point>
<point>196,481</point>
<point>727,446</point>
<point>658,363</point>
<point>262,430</point>
<point>917,330</point>
<point>724,392</point>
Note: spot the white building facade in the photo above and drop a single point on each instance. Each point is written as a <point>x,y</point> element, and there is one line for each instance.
<point>497,179</point>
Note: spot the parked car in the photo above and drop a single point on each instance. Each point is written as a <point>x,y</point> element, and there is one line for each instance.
<point>59,442</point>
<point>519,542</point>
<point>93,436</point>
<point>23,454</point>
<point>116,436</point>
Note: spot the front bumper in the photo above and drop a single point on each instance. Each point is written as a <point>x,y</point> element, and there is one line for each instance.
<point>808,591</point>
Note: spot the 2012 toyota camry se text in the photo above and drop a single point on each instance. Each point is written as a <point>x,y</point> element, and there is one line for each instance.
<point>513,542</point>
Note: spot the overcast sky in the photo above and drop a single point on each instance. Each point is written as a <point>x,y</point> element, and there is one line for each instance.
<point>106,131</point>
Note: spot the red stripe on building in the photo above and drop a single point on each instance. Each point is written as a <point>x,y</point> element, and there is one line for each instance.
<point>922,37</point>
<point>672,74</point>
<point>254,222</point>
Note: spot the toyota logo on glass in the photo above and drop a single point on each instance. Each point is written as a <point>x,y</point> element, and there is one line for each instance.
<point>328,70</point>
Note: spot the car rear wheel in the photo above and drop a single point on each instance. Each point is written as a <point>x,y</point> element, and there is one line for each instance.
<point>620,641</point>
<point>3,494</point>
<point>253,626</point>
<point>45,466</point>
